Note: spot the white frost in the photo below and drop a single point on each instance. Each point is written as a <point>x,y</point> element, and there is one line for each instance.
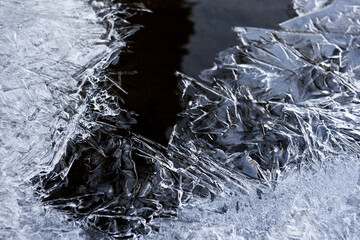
<point>42,45</point>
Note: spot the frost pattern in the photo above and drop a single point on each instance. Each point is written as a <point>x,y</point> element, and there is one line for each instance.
<point>281,107</point>
<point>48,50</point>
<point>267,146</point>
<point>276,112</point>
<point>322,203</point>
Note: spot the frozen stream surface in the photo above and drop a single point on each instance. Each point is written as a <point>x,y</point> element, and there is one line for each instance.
<point>266,148</point>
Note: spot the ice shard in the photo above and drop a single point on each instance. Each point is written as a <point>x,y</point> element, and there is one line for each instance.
<point>279,101</point>
<point>267,147</point>
<point>280,107</point>
<point>302,7</point>
<point>43,45</point>
<point>279,98</point>
<point>50,55</point>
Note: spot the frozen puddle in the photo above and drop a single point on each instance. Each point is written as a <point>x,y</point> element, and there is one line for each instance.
<point>267,147</point>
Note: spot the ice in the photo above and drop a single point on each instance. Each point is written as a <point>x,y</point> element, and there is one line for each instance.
<point>44,46</point>
<point>279,98</point>
<point>303,7</point>
<point>281,107</point>
<point>267,147</point>
<point>319,204</point>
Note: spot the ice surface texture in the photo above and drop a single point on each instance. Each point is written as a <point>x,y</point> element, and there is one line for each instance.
<point>302,7</point>
<point>47,50</point>
<point>279,101</point>
<point>267,146</point>
<point>279,98</point>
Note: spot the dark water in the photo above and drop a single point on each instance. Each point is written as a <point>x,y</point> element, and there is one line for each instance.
<point>182,36</point>
<point>214,19</point>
